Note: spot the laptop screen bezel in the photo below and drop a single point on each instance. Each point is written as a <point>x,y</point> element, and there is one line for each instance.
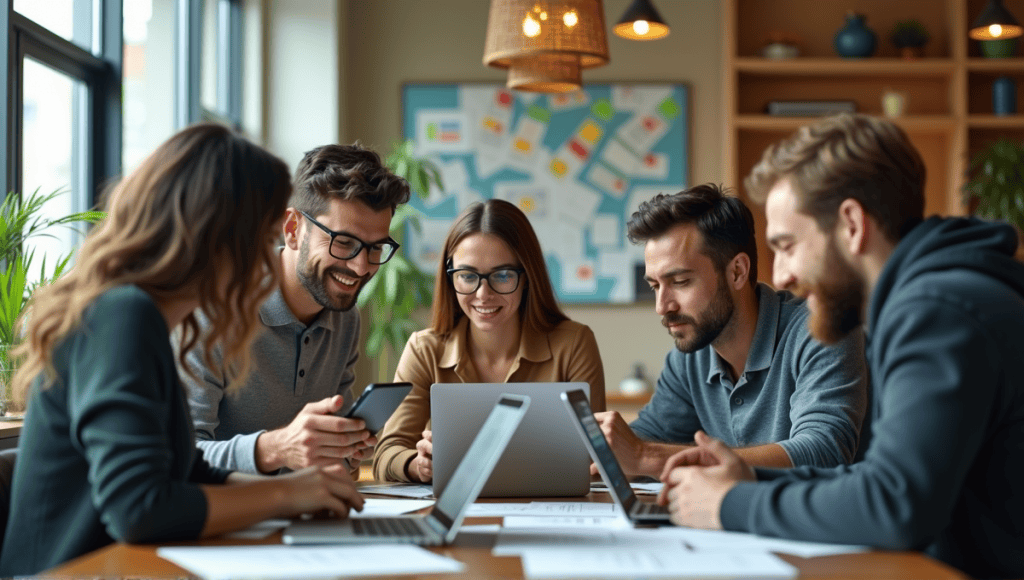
<point>578,404</point>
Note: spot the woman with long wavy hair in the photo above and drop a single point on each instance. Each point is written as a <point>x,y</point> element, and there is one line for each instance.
<point>107,452</point>
<point>495,320</point>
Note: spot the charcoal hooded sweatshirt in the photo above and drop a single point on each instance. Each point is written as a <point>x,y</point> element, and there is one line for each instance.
<point>944,472</point>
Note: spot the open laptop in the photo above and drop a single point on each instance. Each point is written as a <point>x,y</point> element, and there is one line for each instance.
<point>441,524</point>
<point>637,511</point>
<point>545,458</point>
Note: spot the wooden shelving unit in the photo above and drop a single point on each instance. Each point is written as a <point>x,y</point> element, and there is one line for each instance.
<point>949,90</point>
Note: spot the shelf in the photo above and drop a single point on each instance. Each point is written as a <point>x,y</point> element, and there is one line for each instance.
<point>994,122</point>
<point>911,124</point>
<point>995,65</point>
<point>895,67</point>
<point>617,398</point>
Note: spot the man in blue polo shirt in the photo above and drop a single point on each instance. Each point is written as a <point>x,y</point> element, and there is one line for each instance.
<point>745,368</point>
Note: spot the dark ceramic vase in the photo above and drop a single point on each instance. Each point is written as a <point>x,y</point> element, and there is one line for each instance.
<point>1004,96</point>
<point>855,39</point>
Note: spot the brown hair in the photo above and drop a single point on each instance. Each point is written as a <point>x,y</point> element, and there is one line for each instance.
<point>204,195</point>
<point>346,172</point>
<point>724,221</point>
<point>539,310</point>
<point>848,156</point>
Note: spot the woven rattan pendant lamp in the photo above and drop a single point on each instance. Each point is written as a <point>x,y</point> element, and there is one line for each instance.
<point>545,44</point>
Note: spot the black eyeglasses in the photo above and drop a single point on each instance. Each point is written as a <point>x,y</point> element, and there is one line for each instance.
<point>346,246</point>
<point>503,281</point>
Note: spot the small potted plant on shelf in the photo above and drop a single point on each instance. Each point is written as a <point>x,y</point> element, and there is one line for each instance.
<point>20,220</point>
<point>781,45</point>
<point>994,187</point>
<point>909,36</point>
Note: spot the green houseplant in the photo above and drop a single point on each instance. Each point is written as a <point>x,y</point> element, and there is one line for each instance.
<point>20,220</point>
<point>995,182</point>
<point>399,288</point>
<point>909,36</point>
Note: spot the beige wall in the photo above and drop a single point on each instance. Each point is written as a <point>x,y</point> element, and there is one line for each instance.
<point>390,42</point>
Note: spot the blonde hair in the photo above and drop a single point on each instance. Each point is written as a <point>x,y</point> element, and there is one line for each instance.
<point>206,200</point>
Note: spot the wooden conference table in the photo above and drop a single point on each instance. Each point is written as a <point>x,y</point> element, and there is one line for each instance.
<point>122,560</point>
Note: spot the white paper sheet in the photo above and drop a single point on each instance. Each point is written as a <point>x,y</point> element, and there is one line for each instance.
<point>516,541</point>
<point>496,510</point>
<point>542,508</point>
<point>259,531</point>
<point>222,562</point>
<point>638,488</point>
<point>717,541</point>
<point>417,490</point>
<point>604,563</point>
<point>570,522</point>
<point>373,507</point>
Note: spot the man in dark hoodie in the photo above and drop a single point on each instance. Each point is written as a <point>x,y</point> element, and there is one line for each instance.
<point>942,301</point>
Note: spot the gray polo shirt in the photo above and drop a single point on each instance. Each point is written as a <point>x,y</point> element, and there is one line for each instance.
<point>809,398</point>
<point>292,365</point>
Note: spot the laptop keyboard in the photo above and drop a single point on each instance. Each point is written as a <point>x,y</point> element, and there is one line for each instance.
<point>649,509</point>
<point>388,527</point>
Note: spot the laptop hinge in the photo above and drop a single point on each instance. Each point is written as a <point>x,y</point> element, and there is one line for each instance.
<point>434,524</point>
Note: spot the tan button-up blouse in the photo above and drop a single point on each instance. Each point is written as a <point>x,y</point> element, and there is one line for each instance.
<point>568,353</point>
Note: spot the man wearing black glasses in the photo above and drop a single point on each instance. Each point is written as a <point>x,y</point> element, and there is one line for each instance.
<point>335,239</point>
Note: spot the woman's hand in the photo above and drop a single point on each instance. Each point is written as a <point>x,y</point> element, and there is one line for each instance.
<point>319,488</point>
<point>421,468</point>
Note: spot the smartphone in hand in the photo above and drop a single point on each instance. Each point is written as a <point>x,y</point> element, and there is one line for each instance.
<point>377,403</point>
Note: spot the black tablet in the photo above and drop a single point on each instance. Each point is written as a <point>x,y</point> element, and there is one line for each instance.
<point>377,403</point>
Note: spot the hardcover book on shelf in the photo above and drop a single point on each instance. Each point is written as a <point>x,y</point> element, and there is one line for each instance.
<point>810,108</point>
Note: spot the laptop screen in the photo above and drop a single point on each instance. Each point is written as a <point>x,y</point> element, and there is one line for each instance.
<point>480,459</point>
<point>603,453</point>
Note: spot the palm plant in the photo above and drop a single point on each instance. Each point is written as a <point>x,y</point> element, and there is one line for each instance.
<point>20,220</point>
<point>399,287</point>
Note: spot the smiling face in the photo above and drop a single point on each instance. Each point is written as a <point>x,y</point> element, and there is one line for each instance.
<point>335,284</point>
<point>808,263</point>
<point>692,296</point>
<point>487,310</point>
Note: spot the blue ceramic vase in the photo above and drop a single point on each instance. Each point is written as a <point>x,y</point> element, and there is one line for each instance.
<point>1004,96</point>
<point>855,39</point>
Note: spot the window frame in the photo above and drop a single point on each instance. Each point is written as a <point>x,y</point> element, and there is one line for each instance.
<point>97,130</point>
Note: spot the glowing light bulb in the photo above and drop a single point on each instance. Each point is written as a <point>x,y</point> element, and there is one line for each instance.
<point>531,27</point>
<point>995,30</point>
<point>570,18</point>
<point>641,27</point>
<point>543,15</point>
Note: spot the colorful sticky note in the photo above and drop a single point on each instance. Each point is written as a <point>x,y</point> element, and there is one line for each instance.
<point>590,132</point>
<point>539,113</point>
<point>603,109</point>
<point>668,109</point>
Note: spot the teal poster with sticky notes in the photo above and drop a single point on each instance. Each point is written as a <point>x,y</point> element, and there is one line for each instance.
<point>578,165</point>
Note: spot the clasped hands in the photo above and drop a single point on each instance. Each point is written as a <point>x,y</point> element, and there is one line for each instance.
<point>697,480</point>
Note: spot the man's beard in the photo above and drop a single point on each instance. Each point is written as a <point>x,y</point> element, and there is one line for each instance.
<point>839,298</point>
<point>317,285</point>
<point>713,321</point>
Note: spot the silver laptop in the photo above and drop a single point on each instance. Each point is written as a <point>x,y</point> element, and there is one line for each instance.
<point>442,523</point>
<point>637,511</point>
<point>545,458</point>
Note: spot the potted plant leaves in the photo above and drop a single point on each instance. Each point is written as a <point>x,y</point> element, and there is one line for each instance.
<point>994,187</point>
<point>909,36</point>
<point>21,220</point>
<point>399,288</point>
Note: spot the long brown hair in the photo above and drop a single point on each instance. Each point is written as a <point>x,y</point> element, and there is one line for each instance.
<point>539,310</point>
<point>206,200</point>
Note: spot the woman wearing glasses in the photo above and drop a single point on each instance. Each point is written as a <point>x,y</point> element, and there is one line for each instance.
<point>495,320</point>
<point>107,452</point>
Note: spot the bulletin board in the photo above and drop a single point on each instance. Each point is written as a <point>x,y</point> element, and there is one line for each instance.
<point>577,164</point>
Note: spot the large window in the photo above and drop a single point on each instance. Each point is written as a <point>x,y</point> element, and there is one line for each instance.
<point>93,86</point>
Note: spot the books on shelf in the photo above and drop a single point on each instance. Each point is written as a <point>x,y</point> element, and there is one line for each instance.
<point>810,108</point>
